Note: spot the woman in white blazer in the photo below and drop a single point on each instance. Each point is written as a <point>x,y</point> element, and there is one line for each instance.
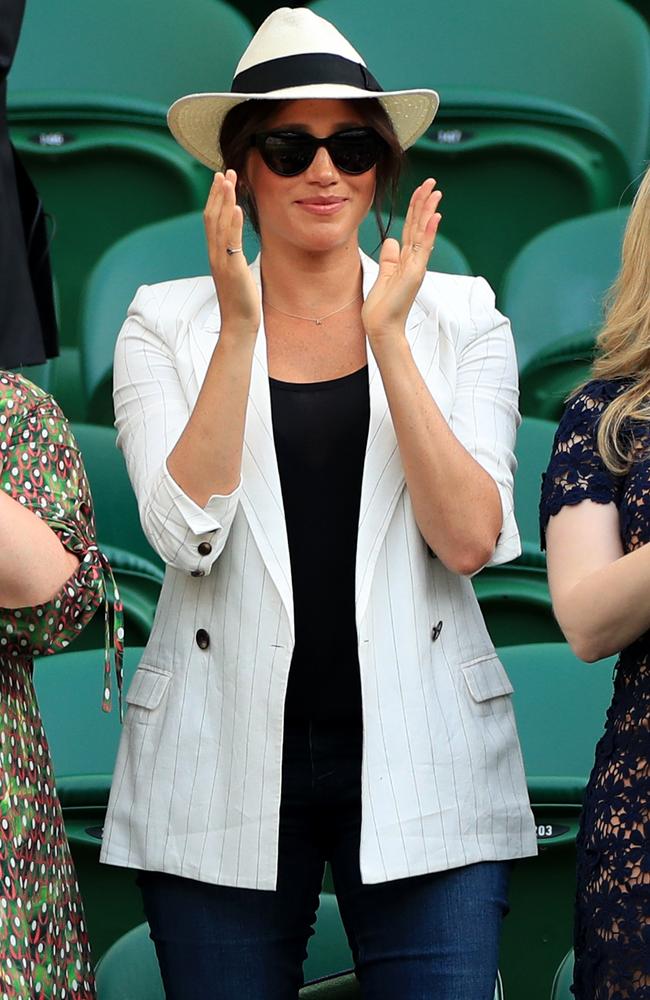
<point>319,683</point>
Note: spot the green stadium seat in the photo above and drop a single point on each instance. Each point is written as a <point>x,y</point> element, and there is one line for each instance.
<point>516,603</point>
<point>560,704</point>
<point>122,64</point>
<point>554,289</point>
<point>116,510</point>
<point>523,138</point>
<point>137,568</point>
<point>554,373</point>
<point>172,249</point>
<point>564,979</point>
<point>83,740</point>
<point>94,137</point>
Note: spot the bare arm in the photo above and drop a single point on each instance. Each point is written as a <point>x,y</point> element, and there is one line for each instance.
<point>455,501</point>
<point>203,463</point>
<point>600,594</point>
<point>34,564</point>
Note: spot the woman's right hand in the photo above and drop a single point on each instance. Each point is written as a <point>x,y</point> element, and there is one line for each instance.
<point>239,300</point>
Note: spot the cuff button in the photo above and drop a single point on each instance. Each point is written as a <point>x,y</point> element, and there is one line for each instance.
<point>197,572</point>
<point>204,549</point>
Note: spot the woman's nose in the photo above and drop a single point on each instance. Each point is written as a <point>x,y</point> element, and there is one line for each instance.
<point>322,169</point>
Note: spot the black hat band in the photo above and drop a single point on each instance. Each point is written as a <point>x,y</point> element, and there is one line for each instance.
<point>301,71</point>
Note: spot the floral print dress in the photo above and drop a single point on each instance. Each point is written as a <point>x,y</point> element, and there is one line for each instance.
<point>44,949</point>
<point>612,928</point>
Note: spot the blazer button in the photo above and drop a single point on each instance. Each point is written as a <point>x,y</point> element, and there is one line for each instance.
<point>435,631</point>
<point>202,639</point>
<point>205,549</point>
<point>197,572</point>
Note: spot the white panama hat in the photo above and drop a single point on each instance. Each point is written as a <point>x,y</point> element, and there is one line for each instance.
<point>295,55</point>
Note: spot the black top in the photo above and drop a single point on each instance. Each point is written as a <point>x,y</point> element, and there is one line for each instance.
<point>320,431</point>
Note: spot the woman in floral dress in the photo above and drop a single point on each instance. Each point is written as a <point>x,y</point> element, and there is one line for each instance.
<point>596,516</point>
<point>51,584</point>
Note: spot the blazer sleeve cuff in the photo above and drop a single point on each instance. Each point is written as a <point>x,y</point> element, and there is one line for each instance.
<point>508,545</point>
<point>187,536</point>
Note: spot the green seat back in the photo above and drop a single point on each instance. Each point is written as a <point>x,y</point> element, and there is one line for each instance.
<point>553,374</point>
<point>533,451</point>
<point>535,176</point>
<point>124,59</point>
<point>516,603</point>
<point>556,285</point>
<point>175,248</point>
<point>508,60</point>
<point>116,510</point>
<point>560,703</point>
<point>523,138</point>
<point>564,979</point>
<point>83,739</point>
<point>129,969</point>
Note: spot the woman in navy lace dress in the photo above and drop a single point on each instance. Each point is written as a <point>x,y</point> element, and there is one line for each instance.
<point>595,516</point>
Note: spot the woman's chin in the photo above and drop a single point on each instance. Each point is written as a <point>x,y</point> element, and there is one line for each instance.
<point>326,238</point>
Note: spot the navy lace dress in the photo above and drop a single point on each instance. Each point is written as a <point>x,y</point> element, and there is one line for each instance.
<point>612,931</point>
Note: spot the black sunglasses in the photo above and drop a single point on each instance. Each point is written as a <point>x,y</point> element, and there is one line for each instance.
<point>353,150</point>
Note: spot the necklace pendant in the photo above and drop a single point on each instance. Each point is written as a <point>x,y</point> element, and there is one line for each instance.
<point>318,322</point>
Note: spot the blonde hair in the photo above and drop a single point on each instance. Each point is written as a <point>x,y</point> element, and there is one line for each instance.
<point>623,345</point>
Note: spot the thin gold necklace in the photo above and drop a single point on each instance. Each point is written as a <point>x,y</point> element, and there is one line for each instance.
<point>319,320</point>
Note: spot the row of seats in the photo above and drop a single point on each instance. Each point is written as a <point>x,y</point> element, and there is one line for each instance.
<point>523,139</point>
<point>557,746</point>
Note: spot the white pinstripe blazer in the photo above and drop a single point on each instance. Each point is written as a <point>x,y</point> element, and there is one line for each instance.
<point>197,783</point>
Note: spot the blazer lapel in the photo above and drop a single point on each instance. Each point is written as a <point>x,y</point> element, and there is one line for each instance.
<point>383,473</point>
<point>261,488</point>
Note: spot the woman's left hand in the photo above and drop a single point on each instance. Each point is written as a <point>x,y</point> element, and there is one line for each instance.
<point>401,269</point>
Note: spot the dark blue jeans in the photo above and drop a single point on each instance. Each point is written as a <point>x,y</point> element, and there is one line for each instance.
<point>415,938</point>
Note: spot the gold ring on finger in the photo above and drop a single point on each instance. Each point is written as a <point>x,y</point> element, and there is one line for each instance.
<point>231,250</point>
<point>415,247</point>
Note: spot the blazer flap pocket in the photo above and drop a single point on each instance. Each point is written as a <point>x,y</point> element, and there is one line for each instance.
<point>486,678</point>
<point>147,687</point>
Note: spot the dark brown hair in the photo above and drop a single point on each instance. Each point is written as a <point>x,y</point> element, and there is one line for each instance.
<point>249,117</point>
